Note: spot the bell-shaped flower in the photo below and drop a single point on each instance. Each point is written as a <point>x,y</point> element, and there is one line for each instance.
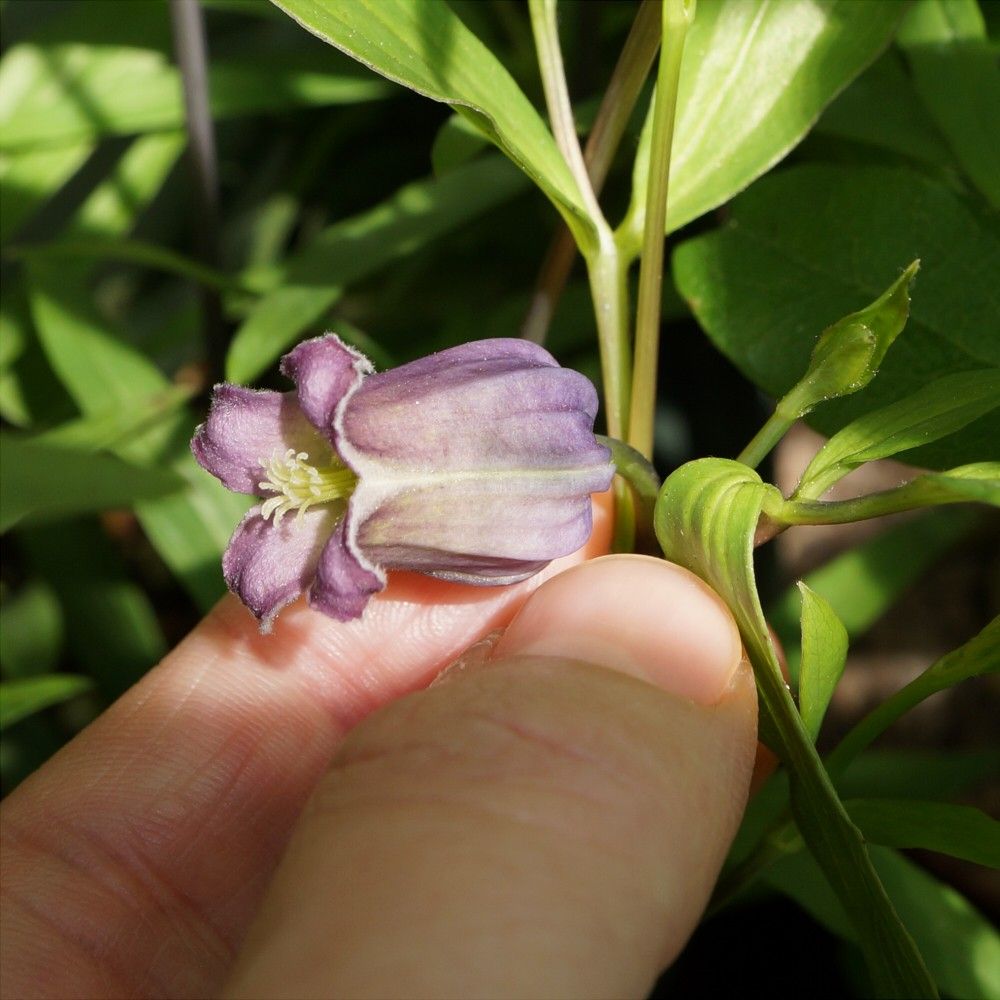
<point>475,464</point>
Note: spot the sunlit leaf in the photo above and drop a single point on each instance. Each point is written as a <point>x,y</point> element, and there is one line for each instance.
<point>755,77</point>
<point>314,279</point>
<point>425,46</point>
<point>849,352</point>
<point>70,93</point>
<point>30,177</point>
<point>862,583</point>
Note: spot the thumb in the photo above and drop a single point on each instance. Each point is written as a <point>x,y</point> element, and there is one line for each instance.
<point>549,822</point>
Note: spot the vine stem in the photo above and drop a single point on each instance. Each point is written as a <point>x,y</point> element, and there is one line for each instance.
<point>619,100</point>
<point>677,16</point>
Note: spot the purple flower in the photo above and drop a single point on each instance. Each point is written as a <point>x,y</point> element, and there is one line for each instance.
<point>475,464</point>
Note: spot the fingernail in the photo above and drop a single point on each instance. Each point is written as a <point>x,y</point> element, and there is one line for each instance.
<point>637,615</point>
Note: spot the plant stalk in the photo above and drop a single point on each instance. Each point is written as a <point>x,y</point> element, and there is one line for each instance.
<point>677,16</point>
<point>623,91</point>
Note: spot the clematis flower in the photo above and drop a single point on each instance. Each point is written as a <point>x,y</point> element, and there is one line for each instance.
<point>475,464</point>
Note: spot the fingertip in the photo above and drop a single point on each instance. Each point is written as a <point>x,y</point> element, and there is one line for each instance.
<point>635,614</point>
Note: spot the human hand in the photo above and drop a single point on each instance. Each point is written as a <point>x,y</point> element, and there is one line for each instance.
<point>535,825</point>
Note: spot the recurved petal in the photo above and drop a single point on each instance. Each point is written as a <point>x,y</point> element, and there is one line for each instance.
<point>325,370</point>
<point>345,578</point>
<point>247,425</point>
<point>268,565</point>
<point>495,405</point>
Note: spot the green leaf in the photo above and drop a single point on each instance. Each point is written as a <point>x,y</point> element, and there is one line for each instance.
<point>136,252</point>
<point>918,773</point>
<point>960,946</point>
<point>72,93</point>
<point>944,406</point>
<point>190,528</point>
<point>811,243</point>
<point>113,206</point>
<point>31,631</point>
<point>24,697</point>
<point>425,46</point>
<point>48,482</point>
<point>112,633</point>
<point>958,831</point>
<point>864,582</point>
<point>882,109</point>
<point>824,654</point>
<point>980,655</point>
<point>315,279</point>
<point>705,518</point>
<point>848,353</point>
<point>30,177</point>
<point>955,72</point>
<point>457,141</point>
<point>978,481</point>
<point>117,426</point>
<point>755,77</point>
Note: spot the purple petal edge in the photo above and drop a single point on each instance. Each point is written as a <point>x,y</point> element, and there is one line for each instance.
<point>326,371</point>
<point>268,566</point>
<point>245,425</point>
<point>345,579</point>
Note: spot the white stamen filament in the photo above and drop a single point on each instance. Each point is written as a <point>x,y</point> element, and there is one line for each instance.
<point>297,485</point>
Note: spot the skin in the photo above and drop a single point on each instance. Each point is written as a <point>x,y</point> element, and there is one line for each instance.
<point>302,815</point>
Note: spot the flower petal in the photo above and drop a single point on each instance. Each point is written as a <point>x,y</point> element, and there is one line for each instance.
<point>268,565</point>
<point>475,464</point>
<point>325,370</point>
<point>493,405</point>
<point>472,535</point>
<point>345,579</point>
<point>245,426</point>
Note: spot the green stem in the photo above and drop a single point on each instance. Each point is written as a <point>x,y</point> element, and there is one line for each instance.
<point>609,291</point>
<point>677,16</point>
<point>550,65</point>
<point>609,126</point>
<point>837,845</point>
<point>765,439</point>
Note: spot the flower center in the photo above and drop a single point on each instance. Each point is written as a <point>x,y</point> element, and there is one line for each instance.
<point>297,485</point>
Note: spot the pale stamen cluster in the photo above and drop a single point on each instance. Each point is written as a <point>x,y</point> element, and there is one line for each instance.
<point>299,485</point>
